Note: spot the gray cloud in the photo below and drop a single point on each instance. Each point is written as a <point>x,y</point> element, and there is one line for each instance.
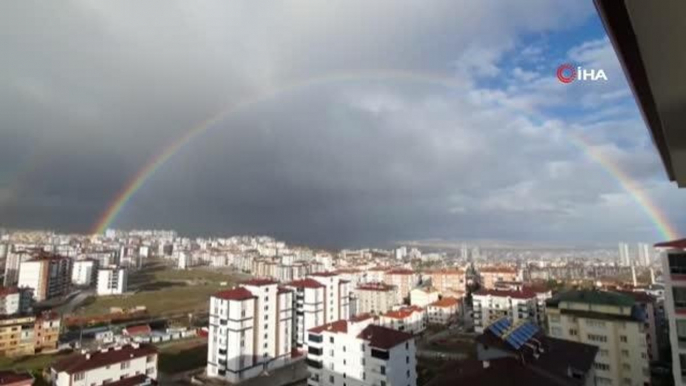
<point>91,91</point>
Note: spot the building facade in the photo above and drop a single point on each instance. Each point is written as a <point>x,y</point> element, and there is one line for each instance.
<point>358,353</point>
<point>15,300</point>
<point>375,298</point>
<point>250,330</point>
<point>422,297</point>
<point>611,321</point>
<point>28,334</point>
<point>491,305</point>
<point>449,282</point>
<point>133,363</point>
<point>443,312</point>
<point>404,280</point>
<point>48,275</point>
<point>673,257</point>
<point>84,272</point>
<point>112,281</point>
<point>411,319</point>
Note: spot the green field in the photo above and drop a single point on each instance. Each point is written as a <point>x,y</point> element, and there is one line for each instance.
<point>183,356</point>
<point>164,291</point>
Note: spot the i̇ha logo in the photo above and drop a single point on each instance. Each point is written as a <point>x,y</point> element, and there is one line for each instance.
<point>568,73</point>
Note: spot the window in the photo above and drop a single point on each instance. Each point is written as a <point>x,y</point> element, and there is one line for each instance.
<point>151,358</point>
<point>679,297</point>
<point>125,365</point>
<point>79,376</point>
<point>343,348</point>
<point>331,379</point>
<point>597,338</point>
<point>626,366</point>
<point>150,371</point>
<point>595,323</point>
<point>622,338</point>
<point>407,359</point>
<point>603,353</point>
<point>407,345</point>
<point>625,353</point>
<point>573,332</point>
<point>601,366</point>
<point>556,331</point>
<point>554,318</point>
<point>677,263</point>
<point>382,370</point>
<point>362,346</point>
<point>603,381</point>
<point>331,339</point>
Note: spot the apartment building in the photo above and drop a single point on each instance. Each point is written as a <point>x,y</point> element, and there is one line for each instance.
<point>422,297</point>
<point>48,275</point>
<point>648,305</point>
<point>250,330</point>
<point>404,280</point>
<point>673,257</point>
<point>15,300</point>
<point>319,299</point>
<point>112,280</point>
<point>28,334</point>
<point>131,364</point>
<point>520,354</point>
<point>611,321</point>
<point>449,282</point>
<point>359,353</point>
<point>489,276</point>
<point>410,319</point>
<point>542,295</point>
<point>443,311</point>
<point>491,305</point>
<point>13,261</point>
<point>84,272</point>
<point>375,298</point>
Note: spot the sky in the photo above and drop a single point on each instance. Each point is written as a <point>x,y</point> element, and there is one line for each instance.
<point>358,123</point>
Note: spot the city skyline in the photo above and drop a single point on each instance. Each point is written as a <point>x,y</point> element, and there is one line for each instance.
<point>343,131</point>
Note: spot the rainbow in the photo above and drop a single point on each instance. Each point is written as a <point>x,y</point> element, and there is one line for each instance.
<point>659,219</point>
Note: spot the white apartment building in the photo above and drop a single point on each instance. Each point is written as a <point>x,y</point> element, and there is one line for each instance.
<point>611,321</point>
<point>410,319</point>
<point>15,300</point>
<point>443,311</point>
<point>112,281</point>
<point>84,272</point>
<point>375,298</point>
<point>673,257</point>
<point>491,305</point>
<point>48,275</point>
<point>319,299</point>
<point>422,297</point>
<point>250,330</point>
<point>133,362</point>
<point>404,280</point>
<point>358,353</point>
<point>449,282</point>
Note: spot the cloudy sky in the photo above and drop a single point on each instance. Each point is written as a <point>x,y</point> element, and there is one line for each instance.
<point>358,123</point>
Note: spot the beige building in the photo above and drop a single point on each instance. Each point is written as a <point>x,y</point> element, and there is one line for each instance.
<point>29,334</point>
<point>423,296</point>
<point>375,298</point>
<point>611,321</point>
<point>489,276</point>
<point>404,280</point>
<point>449,282</point>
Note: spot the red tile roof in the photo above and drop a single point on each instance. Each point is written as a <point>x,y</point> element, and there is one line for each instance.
<point>142,329</point>
<point>680,243</point>
<point>400,272</point>
<point>383,337</point>
<point>403,312</point>
<point>238,293</point>
<point>324,274</point>
<point>259,282</point>
<point>445,302</point>
<point>497,270</point>
<point>523,294</point>
<point>375,287</point>
<point>76,363</point>
<point>283,290</point>
<point>361,317</point>
<point>347,270</point>
<point>305,283</point>
<point>8,291</point>
<point>12,378</point>
<point>337,326</point>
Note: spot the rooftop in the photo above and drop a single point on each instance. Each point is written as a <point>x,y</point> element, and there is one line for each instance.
<point>339,326</point>
<point>679,244</point>
<point>403,312</point>
<point>592,297</point>
<point>523,294</point>
<point>238,293</point>
<point>259,282</point>
<point>383,337</point>
<point>375,287</point>
<point>324,274</point>
<point>83,362</point>
<point>305,283</point>
<point>445,302</point>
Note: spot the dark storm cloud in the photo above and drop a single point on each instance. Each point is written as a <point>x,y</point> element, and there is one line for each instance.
<point>91,91</point>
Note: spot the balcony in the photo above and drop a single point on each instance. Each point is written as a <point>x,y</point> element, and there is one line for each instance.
<point>313,364</point>
<point>380,354</point>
